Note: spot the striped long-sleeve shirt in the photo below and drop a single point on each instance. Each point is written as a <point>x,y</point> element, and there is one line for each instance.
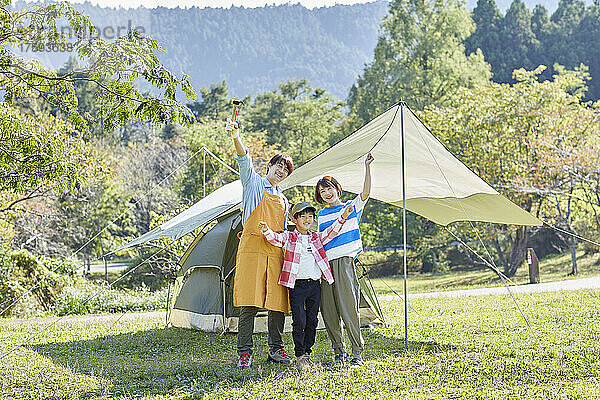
<point>348,242</point>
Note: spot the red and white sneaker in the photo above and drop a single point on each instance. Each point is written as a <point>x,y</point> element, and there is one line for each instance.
<point>244,361</point>
<point>279,357</point>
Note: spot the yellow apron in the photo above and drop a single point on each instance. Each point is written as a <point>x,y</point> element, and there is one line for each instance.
<point>258,263</point>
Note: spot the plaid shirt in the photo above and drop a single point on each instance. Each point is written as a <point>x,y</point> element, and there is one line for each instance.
<point>289,241</point>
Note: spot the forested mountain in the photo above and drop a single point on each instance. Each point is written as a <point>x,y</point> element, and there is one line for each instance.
<point>254,48</point>
<point>251,48</point>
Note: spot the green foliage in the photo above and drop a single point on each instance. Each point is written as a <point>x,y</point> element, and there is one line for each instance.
<point>37,152</point>
<point>419,58</point>
<point>153,275</point>
<point>86,212</point>
<point>527,140</point>
<point>382,263</point>
<point>215,103</point>
<point>43,119</point>
<point>113,66</point>
<point>21,270</point>
<point>521,49</point>
<point>524,39</point>
<point>86,298</point>
<point>211,134</point>
<point>488,22</point>
<point>296,117</point>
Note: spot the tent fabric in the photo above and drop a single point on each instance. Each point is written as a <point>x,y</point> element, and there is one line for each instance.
<point>219,202</point>
<point>438,185</point>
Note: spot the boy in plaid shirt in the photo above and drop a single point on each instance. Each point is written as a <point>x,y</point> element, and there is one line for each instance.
<point>305,262</point>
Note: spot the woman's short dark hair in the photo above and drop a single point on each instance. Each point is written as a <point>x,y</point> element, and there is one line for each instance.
<point>281,157</point>
<point>326,181</point>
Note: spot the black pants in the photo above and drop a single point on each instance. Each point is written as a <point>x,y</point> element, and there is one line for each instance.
<point>305,299</point>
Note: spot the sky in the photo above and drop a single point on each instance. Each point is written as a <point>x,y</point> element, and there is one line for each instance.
<point>215,3</point>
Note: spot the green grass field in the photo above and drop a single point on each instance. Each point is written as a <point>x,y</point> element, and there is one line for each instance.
<point>554,268</point>
<point>459,348</point>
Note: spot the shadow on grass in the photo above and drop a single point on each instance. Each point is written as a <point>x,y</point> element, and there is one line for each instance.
<point>172,360</point>
<point>155,361</point>
<point>389,342</point>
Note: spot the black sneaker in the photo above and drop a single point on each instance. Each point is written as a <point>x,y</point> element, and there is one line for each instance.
<point>340,359</point>
<point>356,362</point>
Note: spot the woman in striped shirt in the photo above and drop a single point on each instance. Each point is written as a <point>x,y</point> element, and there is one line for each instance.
<point>340,300</point>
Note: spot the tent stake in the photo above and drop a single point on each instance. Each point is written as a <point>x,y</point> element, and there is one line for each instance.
<point>404,223</point>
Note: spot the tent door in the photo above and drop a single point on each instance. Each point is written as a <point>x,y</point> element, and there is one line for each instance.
<point>200,303</point>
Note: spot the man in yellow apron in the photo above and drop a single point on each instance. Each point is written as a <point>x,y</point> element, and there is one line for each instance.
<point>258,263</point>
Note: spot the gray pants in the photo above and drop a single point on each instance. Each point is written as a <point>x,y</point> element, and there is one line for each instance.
<point>275,321</point>
<point>339,302</point>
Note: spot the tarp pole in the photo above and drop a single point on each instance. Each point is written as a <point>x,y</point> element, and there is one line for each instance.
<point>404,223</point>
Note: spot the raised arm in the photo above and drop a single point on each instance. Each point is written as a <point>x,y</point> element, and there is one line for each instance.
<point>233,131</point>
<point>367,184</point>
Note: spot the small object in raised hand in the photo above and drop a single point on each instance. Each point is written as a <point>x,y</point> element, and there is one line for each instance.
<point>232,128</point>
<point>347,211</point>
<point>369,159</point>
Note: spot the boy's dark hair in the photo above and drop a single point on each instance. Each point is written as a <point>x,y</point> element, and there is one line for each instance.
<point>287,160</point>
<point>326,181</point>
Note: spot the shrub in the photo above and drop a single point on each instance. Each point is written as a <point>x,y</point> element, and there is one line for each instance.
<point>22,273</point>
<point>107,300</point>
<point>153,275</point>
<point>382,263</point>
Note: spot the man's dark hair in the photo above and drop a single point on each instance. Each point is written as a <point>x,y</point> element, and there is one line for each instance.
<point>281,157</point>
<point>326,181</point>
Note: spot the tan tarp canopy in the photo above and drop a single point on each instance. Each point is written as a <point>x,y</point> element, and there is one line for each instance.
<point>438,185</point>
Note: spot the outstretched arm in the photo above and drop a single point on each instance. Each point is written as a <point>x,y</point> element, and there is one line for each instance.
<point>275,238</point>
<point>367,184</point>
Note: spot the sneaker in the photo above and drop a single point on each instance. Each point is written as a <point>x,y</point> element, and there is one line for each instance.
<point>356,362</point>
<point>340,359</point>
<point>279,357</point>
<point>244,361</point>
<point>303,362</point>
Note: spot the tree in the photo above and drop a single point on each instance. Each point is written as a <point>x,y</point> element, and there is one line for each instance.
<point>215,102</point>
<point>520,44</point>
<point>562,47</point>
<point>588,31</point>
<point>44,145</point>
<point>487,19</point>
<point>419,58</point>
<point>541,26</point>
<point>297,118</point>
<point>528,141</point>
<point>210,133</point>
